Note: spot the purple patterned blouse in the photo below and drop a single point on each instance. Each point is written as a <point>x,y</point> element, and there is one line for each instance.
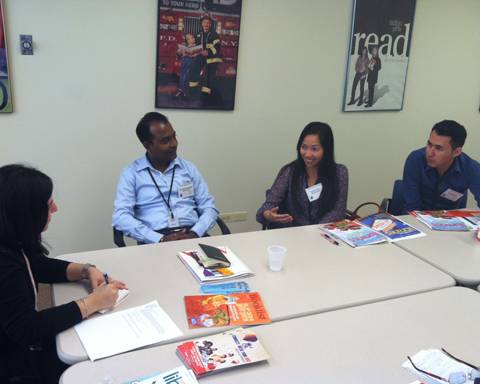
<point>282,192</point>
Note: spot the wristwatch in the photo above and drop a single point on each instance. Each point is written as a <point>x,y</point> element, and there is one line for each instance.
<point>85,269</point>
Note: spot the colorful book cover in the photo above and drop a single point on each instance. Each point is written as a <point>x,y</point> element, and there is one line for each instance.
<point>439,220</point>
<point>472,217</point>
<point>179,375</point>
<point>353,233</point>
<point>223,351</point>
<point>392,227</point>
<point>237,268</point>
<point>230,309</point>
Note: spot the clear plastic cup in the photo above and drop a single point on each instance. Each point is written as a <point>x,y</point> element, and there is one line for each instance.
<point>276,254</point>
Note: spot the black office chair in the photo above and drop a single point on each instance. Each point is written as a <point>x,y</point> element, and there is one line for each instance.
<point>395,204</point>
<point>120,242</point>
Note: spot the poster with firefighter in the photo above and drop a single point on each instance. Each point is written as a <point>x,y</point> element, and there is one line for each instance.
<point>379,55</point>
<point>197,54</point>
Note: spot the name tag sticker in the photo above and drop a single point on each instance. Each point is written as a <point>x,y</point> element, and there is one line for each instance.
<point>185,190</point>
<point>314,192</point>
<point>451,195</point>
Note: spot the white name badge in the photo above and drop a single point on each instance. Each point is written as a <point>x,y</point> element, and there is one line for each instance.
<point>185,190</point>
<point>314,192</point>
<point>451,195</point>
<point>173,221</point>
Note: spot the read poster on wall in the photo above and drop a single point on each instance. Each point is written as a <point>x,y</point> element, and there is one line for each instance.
<point>379,55</point>
<point>5,93</point>
<point>197,54</point>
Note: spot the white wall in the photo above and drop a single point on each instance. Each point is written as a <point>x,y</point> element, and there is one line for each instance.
<point>78,99</point>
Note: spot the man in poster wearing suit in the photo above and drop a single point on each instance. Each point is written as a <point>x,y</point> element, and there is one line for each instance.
<point>373,68</point>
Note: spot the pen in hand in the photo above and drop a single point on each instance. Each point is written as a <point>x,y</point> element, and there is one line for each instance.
<point>106,278</point>
<point>326,237</point>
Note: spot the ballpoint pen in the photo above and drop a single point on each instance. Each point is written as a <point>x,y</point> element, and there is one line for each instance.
<point>106,278</point>
<point>326,237</point>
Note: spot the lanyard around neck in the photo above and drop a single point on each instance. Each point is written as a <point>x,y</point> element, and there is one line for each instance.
<point>169,193</point>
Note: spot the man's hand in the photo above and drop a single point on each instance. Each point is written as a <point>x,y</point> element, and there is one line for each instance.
<point>183,235</point>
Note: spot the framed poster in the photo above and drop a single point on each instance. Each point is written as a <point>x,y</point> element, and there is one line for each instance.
<point>5,93</point>
<point>197,54</point>
<point>379,55</point>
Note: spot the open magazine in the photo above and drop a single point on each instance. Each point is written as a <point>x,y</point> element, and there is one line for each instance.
<point>442,221</point>
<point>237,268</point>
<point>221,352</point>
<point>225,309</point>
<point>391,226</point>
<point>353,233</point>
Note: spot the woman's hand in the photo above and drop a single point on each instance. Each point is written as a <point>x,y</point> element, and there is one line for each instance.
<point>104,297</point>
<point>274,217</point>
<point>97,278</point>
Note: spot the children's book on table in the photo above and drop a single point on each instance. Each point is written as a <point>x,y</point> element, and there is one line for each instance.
<point>217,353</point>
<point>225,309</point>
<point>442,221</point>
<point>353,233</point>
<point>237,269</point>
<point>391,226</point>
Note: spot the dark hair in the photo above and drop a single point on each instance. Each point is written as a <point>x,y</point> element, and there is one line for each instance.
<point>327,169</point>
<point>24,195</point>
<point>452,129</point>
<point>143,127</point>
<point>361,51</point>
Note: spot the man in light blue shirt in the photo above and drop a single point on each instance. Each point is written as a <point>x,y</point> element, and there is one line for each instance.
<point>158,196</point>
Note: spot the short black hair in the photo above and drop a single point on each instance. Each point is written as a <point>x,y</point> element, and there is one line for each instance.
<point>143,127</point>
<point>24,196</point>
<point>450,128</point>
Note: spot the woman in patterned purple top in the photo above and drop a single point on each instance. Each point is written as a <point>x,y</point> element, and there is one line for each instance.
<point>289,204</point>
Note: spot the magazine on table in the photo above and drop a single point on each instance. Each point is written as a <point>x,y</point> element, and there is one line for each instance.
<point>391,226</point>
<point>441,221</point>
<point>223,351</point>
<point>473,217</point>
<point>225,309</point>
<point>237,268</point>
<point>179,375</point>
<point>353,233</point>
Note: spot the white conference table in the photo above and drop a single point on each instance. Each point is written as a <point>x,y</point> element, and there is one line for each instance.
<point>454,252</point>
<point>364,344</point>
<point>316,277</point>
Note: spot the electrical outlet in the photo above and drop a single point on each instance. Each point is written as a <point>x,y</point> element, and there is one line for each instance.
<point>226,217</point>
<point>240,216</point>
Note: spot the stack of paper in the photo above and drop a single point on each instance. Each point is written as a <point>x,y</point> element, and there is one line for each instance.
<point>221,352</point>
<point>126,330</point>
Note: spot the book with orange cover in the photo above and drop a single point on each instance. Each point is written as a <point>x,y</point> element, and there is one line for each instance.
<point>230,309</point>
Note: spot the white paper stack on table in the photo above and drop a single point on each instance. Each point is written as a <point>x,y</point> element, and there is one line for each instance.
<point>126,330</point>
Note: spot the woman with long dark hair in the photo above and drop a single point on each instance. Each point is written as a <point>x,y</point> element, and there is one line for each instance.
<point>311,189</point>
<point>27,335</point>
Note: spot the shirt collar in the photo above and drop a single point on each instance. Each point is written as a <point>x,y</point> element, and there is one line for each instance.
<point>143,163</point>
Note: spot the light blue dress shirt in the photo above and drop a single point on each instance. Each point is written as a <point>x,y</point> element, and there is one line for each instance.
<point>140,209</point>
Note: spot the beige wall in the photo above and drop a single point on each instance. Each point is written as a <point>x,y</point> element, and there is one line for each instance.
<point>78,99</point>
